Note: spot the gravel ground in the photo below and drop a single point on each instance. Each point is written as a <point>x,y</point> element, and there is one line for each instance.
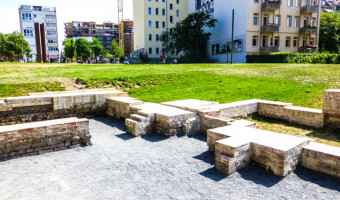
<point>119,166</point>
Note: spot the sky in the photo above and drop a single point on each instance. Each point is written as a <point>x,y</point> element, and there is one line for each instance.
<point>67,10</point>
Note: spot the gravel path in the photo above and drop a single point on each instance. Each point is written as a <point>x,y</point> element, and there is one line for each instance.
<point>119,166</point>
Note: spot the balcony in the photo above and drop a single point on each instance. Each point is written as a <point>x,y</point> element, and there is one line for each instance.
<point>52,44</point>
<point>308,49</point>
<point>269,49</point>
<point>271,5</point>
<point>53,52</point>
<point>51,28</point>
<point>309,9</point>
<point>53,20</point>
<point>272,28</point>
<point>51,36</point>
<point>309,30</point>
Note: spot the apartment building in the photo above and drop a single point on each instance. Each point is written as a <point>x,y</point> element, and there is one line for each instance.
<point>105,33</point>
<point>38,24</point>
<point>152,17</point>
<point>261,26</point>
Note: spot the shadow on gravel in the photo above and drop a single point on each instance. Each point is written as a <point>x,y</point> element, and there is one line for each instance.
<point>323,180</point>
<point>201,137</point>
<point>154,137</point>
<point>207,157</point>
<point>119,124</point>
<point>213,174</point>
<point>125,136</point>
<point>259,175</point>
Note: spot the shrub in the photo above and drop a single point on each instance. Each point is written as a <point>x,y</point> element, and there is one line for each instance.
<point>280,57</point>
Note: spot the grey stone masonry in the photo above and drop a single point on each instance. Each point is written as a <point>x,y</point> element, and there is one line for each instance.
<point>41,137</point>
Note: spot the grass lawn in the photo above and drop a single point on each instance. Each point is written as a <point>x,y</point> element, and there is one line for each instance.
<point>302,85</point>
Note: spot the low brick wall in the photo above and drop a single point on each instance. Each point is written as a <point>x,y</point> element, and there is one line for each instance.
<point>208,122</point>
<point>42,137</point>
<point>273,109</point>
<point>322,158</point>
<point>55,105</point>
<point>331,108</point>
<point>120,108</point>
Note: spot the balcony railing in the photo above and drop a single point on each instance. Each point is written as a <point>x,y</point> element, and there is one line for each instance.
<point>272,28</point>
<point>53,52</point>
<point>308,49</point>
<point>51,36</point>
<point>269,49</point>
<point>52,44</point>
<point>309,30</point>
<point>309,9</point>
<point>271,5</point>
<point>51,20</point>
<point>51,28</point>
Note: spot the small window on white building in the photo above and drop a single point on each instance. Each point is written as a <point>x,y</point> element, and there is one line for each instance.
<point>28,32</point>
<point>255,38</point>
<point>256,19</point>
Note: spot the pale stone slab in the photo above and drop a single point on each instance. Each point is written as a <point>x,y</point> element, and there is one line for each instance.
<point>191,104</point>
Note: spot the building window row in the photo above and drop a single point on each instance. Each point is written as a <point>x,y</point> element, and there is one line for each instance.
<point>157,51</point>
<point>277,41</point>
<point>157,37</point>
<point>289,20</point>
<point>163,12</point>
<point>177,1</point>
<point>28,32</point>
<point>26,16</point>
<point>156,24</point>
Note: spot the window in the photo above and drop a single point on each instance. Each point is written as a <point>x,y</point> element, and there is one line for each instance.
<point>312,21</point>
<point>289,21</point>
<point>150,37</point>
<point>265,19</point>
<point>255,41</point>
<point>295,42</point>
<point>313,2</point>
<point>311,41</point>
<point>35,16</point>
<point>150,24</point>
<point>157,37</point>
<point>163,24</point>
<point>256,1</point>
<point>297,3</point>
<point>171,19</point>
<point>289,3</point>
<point>157,50</point>
<point>163,12</point>
<point>149,11</point>
<point>256,19</point>
<point>277,19</point>
<point>157,24</point>
<point>177,13</point>
<point>177,1</point>
<point>276,41</point>
<point>171,6</point>
<point>26,16</point>
<point>287,42</point>
<point>296,22</point>
<point>264,41</point>
<point>28,32</point>
<point>150,51</point>
<point>156,11</point>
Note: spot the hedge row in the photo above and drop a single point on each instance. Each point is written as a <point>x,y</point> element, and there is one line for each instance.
<point>312,58</point>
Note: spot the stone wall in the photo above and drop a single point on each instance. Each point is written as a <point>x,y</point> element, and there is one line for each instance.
<point>41,137</point>
<point>322,158</point>
<point>288,112</point>
<point>55,105</point>
<point>331,108</point>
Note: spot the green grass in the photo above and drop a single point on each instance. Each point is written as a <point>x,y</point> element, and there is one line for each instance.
<point>302,85</point>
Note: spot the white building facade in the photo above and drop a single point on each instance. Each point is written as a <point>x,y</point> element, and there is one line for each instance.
<point>38,24</point>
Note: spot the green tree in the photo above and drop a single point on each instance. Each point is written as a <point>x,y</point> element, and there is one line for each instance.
<point>96,47</point>
<point>82,48</point>
<point>115,50</point>
<point>329,38</point>
<point>15,45</point>
<point>2,43</point>
<point>189,36</point>
<point>69,48</point>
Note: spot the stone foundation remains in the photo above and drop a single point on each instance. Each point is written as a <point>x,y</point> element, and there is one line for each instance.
<point>55,105</point>
<point>42,137</point>
<point>236,143</point>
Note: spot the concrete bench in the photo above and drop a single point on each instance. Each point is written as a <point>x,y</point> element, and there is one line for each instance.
<point>322,158</point>
<point>279,153</point>
<point>42,137</point>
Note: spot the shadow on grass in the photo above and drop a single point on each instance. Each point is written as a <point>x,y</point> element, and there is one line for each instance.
<point>318,133</point>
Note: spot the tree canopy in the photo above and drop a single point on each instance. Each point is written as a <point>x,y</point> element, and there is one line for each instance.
<point>82,48</point>
<point>69,48</point>
<point>189,36</point>
<point>14,45</point>
<point>116,51</point>
<point>329,38</point>
<point>97,48</point>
